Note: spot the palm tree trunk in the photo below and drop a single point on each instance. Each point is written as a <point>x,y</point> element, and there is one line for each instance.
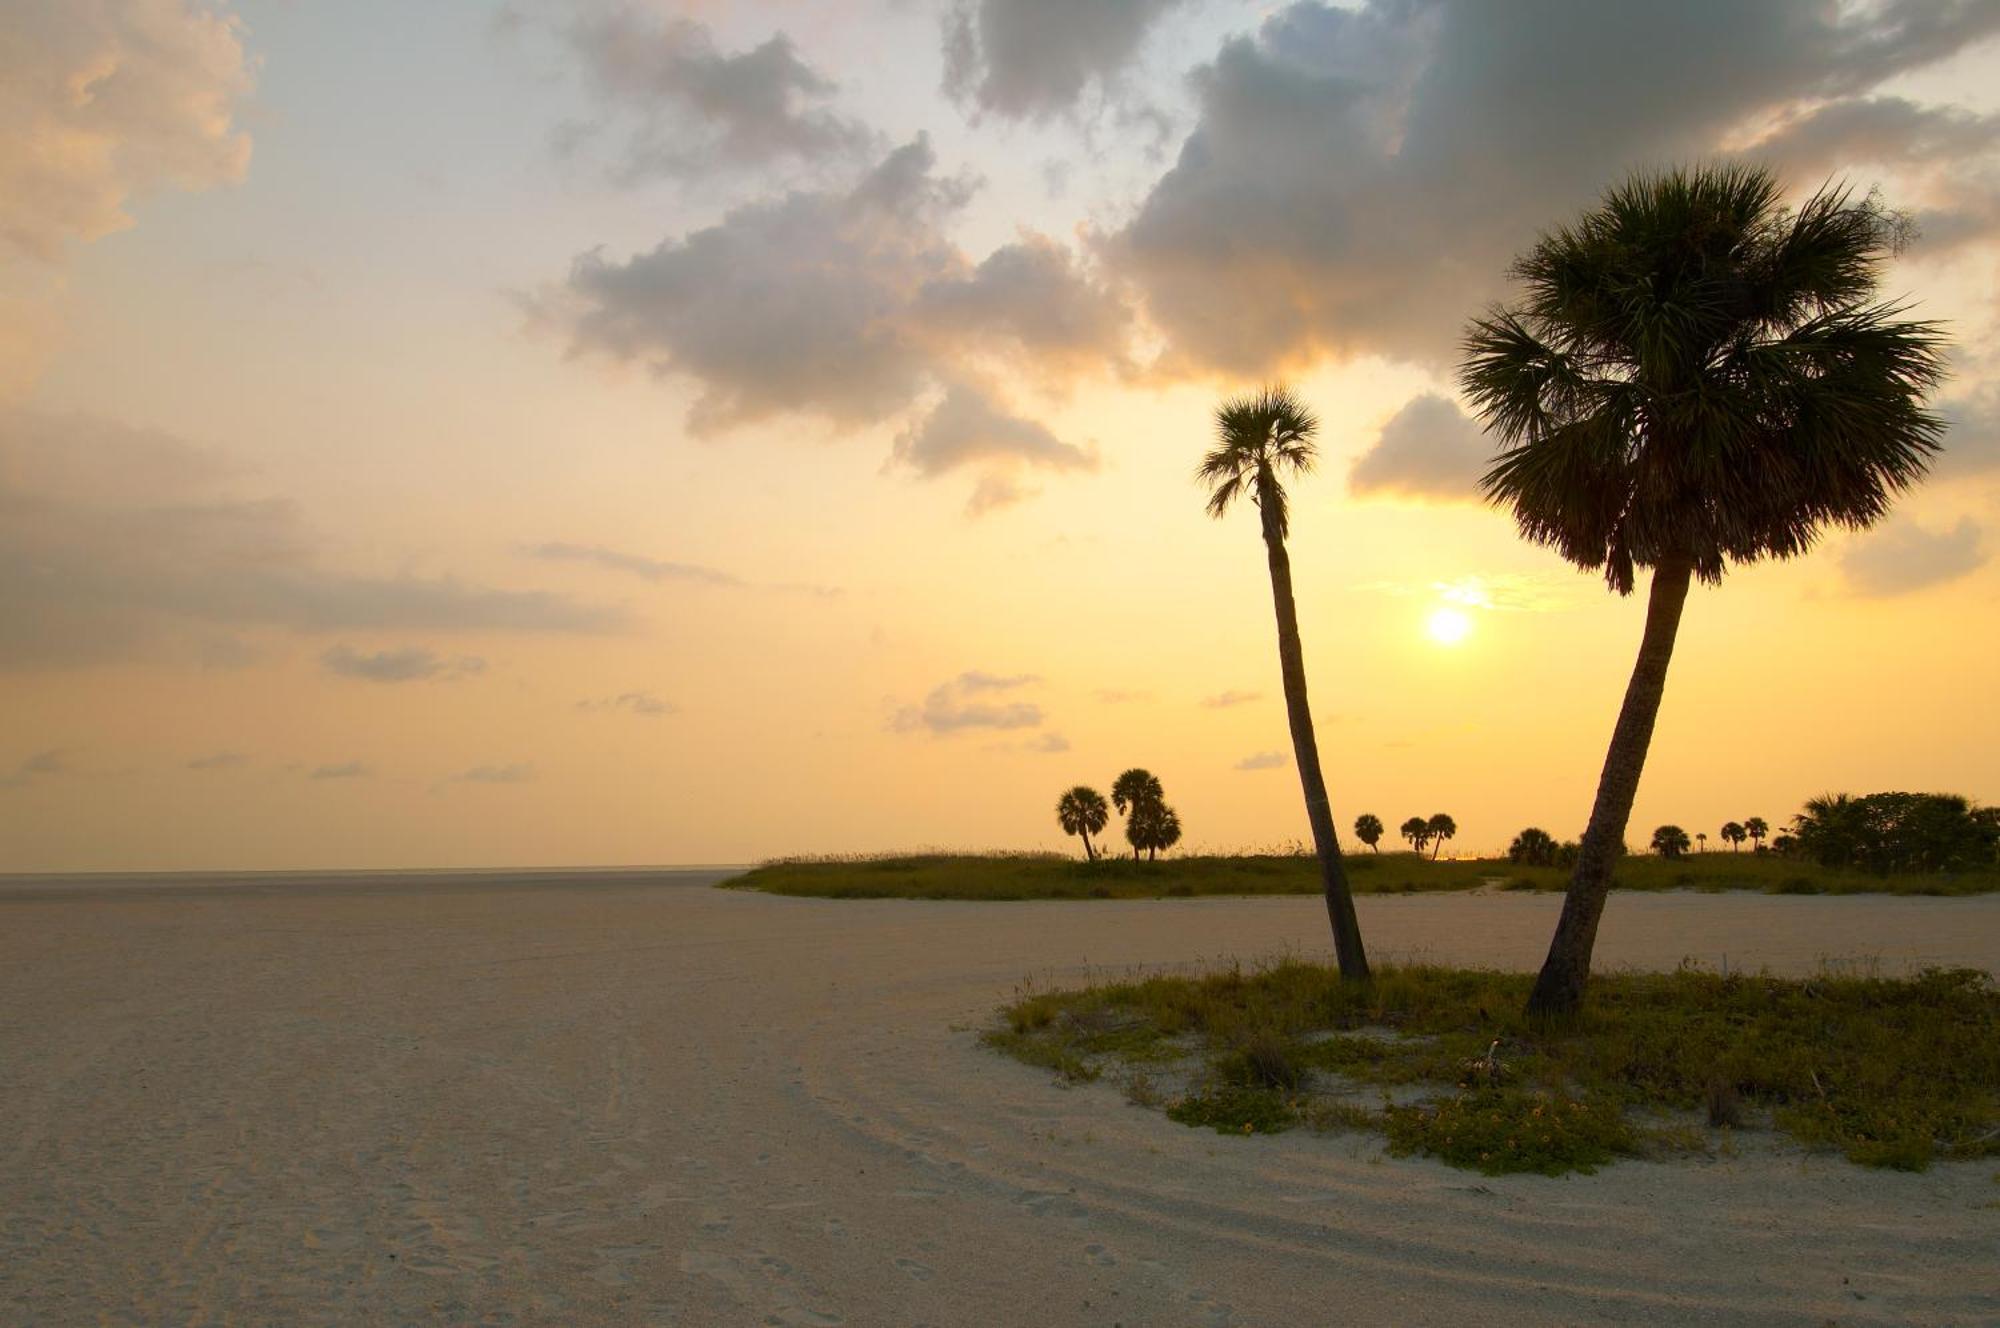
<point>1088,856</point>
<point>1559,988</point>
<point>1305,753</point>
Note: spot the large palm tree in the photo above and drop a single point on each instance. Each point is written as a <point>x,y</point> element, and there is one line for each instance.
<point>1082,811</point>
<point>1259,438</point>
<point>1756,828</point>
<point>1694,376</point>
<point>1733,834</point>
<point>1441,828</point>
<point>1368,829</point>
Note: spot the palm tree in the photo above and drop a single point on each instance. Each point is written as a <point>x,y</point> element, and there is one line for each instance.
<point>1131,793</point>
<point>1757,827</point>
<point>1670,841</point>
<point>1159,829</point>
<point>1259,437</point>
<point>1082,811</point>
<point>1733,834</point>
<point>1533,847</point>
<point>1368,829</point>
<point>1441,828</point>
<point>1417,830</point>
<point>1701,843</point>
<point>1695,376</point>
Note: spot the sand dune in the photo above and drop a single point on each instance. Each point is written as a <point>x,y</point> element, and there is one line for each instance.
<point>640,1101</point>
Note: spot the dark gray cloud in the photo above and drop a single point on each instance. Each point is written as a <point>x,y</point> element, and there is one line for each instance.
<point>404,664</point>
<point>1263,761</point>
<point>40,766</point>
<point>1428,449</point>
<point>1224,700</point>
<point>851,306</point>
<point>342,770</point>
<point>494,774</point>
<point>1903,556</point>
<point>1320,205</point>
<point>688,107</point>
<point>649,569</point>
<point>119,543</point>
<point>1972,437</point>
<point>967,428</point>
<point>1032,59</point>
<point>797,304</point>
<point>643,704</point>
<point>961,704</point>
<point>1034,294</point>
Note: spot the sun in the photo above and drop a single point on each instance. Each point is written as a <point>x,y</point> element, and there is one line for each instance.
<point>1448,626</point>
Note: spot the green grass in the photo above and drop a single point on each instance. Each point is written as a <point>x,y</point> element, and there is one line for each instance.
<point>1891,1073</point>
<point>1007,876</point>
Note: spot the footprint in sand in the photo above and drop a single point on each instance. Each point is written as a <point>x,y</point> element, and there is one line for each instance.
<point>1100,1256</point>
<point>921,1272</point>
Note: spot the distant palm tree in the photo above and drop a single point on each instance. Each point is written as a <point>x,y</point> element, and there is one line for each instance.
<point>1441,828</point>
<point>1696,375</point>
<point>1155,828</point>
<point>1259,437</point>
<point>1670,841</point>
<point>1132,792</point>
<point>1733,834</point>
<point>1082,811</point>
<point>1533,847</point>
<point>1701,843</point>
<point>1417,830</point>
<point>1368,829</point>
<point>1757,827</point>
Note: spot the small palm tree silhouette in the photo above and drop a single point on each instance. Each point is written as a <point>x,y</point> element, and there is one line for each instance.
<point>1082,811</point>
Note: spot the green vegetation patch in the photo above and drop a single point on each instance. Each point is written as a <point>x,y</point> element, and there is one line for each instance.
<point>1015,876</point>
<point>1888,1072</point>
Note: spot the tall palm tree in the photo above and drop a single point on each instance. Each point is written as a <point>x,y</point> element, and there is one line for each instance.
<point>1695,375</point>
<point>1701,843</point>
<point>1441,828</point>
<point>1417,830</point>
<point>1134,793</point>
<point>1082,811</point>
<point>1258,439</point>
<point>1368,829</point>
<point>1733,834</point>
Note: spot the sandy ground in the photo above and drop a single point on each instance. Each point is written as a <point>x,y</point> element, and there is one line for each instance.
<point>637,1101</point>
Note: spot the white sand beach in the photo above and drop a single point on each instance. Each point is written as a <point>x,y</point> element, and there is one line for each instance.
<point>636,1100</point>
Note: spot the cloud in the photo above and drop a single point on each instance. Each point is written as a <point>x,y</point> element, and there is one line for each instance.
<point>408,664</point>
<point>1263,761</point>
<point>1428,449</point>
<point>1049,743</point>
<point>1320,205</point>
<point>40,766</point>
<point>967,428</point>
<point>344,770</point>
<point>218,761</point>
<point>852,306</point>
<point>1033,59</point>
<point>644,704</point>
<point>1224,700</point>
<point>952,706</point>
<point>494,774</point>
<point>107,101</point>
<point>693,108</point>
<point>1902,557</point>
<point>649,569</point>
<point>1972,440</point>
<point>120,543</point>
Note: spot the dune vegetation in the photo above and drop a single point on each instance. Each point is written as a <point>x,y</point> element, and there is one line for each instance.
<point>1020,876</point>
<point>1447,1063</point>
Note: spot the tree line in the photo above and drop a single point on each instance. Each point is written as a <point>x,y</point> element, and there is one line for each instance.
<point>1694,375</point>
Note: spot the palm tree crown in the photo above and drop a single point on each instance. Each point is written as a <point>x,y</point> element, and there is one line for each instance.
<point>1258,437</point>
<point>1697,372</point>
<point>1082,811</point>
<point>1136,788</point>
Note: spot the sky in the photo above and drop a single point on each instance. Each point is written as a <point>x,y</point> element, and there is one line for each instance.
<point>638,432</point>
